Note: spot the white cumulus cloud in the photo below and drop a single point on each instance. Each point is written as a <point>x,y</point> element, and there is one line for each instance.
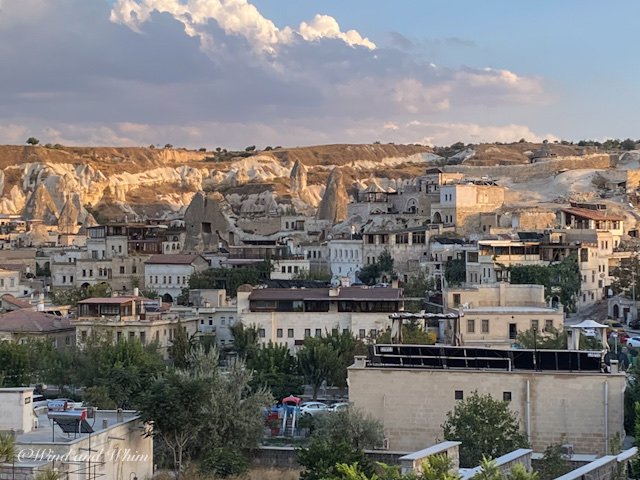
<point>325,26</point>
<point>234,17</point>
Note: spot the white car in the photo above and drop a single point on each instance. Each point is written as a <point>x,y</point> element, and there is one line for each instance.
<point>589,332</point>
<point>633,342</point>
<point>311,408</point>
<point>339,407</point>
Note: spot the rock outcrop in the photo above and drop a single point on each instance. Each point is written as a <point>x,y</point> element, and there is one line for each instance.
<point>41,206</point>
<point>206,223</point>
<point>73,215</point>
<point>333,206</point>
<point>298,177</point>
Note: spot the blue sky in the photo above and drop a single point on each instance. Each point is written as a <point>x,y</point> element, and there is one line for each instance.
<point>288,72</point>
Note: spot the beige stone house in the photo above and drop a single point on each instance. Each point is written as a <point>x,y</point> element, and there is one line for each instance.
<point>288,316</point>
<point>130,317</point>
<point>492,315</point>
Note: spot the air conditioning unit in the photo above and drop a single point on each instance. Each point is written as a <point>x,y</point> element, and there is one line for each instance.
<point>567,449</point>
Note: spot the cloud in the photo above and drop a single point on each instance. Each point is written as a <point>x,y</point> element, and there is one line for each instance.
<point>234,17</point>
<point>324,26</point>
<point>219,73</point>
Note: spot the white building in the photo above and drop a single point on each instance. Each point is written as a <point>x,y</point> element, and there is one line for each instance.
<point>288,316</point>
<point>169,274</point>
<point>288,268</point>
<point>112,444</point>
<point>345,258</point>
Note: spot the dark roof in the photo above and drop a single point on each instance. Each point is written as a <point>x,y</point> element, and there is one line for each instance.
<point>530,236</point>
<point>175,259</point>
<point>344,293</point>
<point>28,321</point>
<point>448,241</point>
<point>296,284</point>
<point>596,215</point>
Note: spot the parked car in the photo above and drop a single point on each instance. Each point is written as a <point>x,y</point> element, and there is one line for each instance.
<point>633,342</point>
<point>589,332</point>
<point>312,408</point>
<point>635,324</point>
<point>620,335</point>
<point>339,407</point>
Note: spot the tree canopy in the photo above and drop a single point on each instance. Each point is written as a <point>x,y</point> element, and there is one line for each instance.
<point>485,426</point>
<point>561,279</point>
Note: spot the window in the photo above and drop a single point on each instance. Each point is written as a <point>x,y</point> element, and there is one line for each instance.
<point>202,321</point>
<point>119,336</point>
<point>84,272</point>
<point>290,332</point>
<point>307,332</point>
<point>134,269</point>
<point>262,333</point>
<point>119,248</point>
<point>132,335</point>
<point>535,325</point>
<point>506,396</point>
<point>318,332</point>
<point>362,333</point>
<point>210,320</point>
<point>485,326</point>
<point>471,326</point>
<point>150,278</point>
<point>458,395</point>
<point>67,340</point>
<point>143,338</point>
<point>83,335</point>
<point>456,299</point>
<point>548,325</point>
<point>170,277</point>
<point>122,270</point>
<point>164,279</point>
<point>223,320</point>
<point>279,333</point>
<point>284,269</point>
<point>64,279</point>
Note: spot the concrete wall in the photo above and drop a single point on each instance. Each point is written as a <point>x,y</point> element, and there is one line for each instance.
<point>499,294</point>
<point>565,408</point>
<point>539,169</point>
<point>16,409</point>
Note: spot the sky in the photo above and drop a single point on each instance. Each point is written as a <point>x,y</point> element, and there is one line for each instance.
<point>234,73</point>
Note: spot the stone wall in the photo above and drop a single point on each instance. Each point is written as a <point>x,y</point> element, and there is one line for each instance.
<point>540,169</point>
<point>285,457</point>
<point>565,408</point>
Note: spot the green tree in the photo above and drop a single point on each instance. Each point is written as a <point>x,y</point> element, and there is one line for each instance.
<point>455,271</point>
<point>245,340</point>
<point>628,144</point>
<point>552,339</point>
<point>562,279</point>
<point>33,141</point>
<point>276,369</point>
<point>320,460</point>
<point>48,474</point>
<point>346,347</point>
<point>383,265</point>
<point>318,362</point>
<point>486,427</point>
<point>419,285</point>
<point>231,278</point>
<point>357,428</point>
<point>627,278</point>
<point>553,464</point>
<point>305,274</point>
<point>174,405</point>
<point>182,346</point>
<point>369,274</point>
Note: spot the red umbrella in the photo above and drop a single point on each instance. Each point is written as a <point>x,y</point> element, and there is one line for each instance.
<point>291,400</point>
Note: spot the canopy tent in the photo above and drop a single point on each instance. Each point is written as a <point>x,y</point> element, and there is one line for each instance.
<point>598,327</point>
<point>291,400</point>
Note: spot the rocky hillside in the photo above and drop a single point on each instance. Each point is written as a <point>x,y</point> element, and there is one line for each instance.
<point>47,182</point>
<point>72,185</point>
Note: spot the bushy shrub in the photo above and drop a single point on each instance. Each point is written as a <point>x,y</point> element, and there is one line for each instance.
<point>225,462</point>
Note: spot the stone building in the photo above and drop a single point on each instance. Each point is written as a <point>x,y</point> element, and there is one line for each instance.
<point>288,316</point>
<point>565,399</point>
<point>25,325</point>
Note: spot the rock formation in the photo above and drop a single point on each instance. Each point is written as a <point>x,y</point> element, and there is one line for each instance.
<point>41,206</point>
<point>333,205</point>
<point>73,215</point>
<point>298,177</point>
<point>206,223</point>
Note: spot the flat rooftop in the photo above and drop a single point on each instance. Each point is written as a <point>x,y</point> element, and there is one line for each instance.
<point>47,433</point>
